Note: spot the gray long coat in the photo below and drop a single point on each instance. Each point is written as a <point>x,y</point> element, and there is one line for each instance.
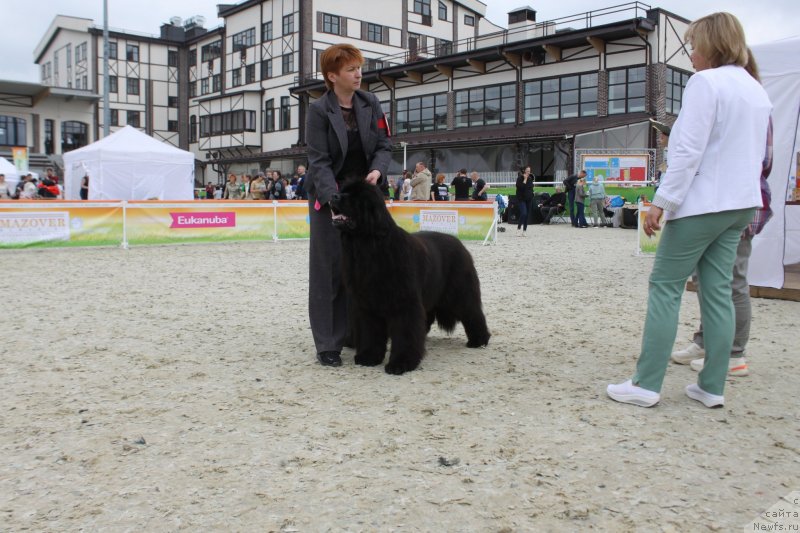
<point>326,135</point>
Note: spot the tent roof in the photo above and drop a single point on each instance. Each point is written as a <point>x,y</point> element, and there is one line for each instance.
<point>778,58</point>
<point>129,145</point>
<point>7,167</point>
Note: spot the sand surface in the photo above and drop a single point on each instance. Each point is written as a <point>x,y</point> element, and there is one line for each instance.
<point>175,388</point>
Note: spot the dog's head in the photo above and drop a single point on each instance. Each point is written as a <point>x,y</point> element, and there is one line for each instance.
<point>360,208</point>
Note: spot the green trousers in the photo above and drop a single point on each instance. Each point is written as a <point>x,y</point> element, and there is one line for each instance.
<point>705,243</point>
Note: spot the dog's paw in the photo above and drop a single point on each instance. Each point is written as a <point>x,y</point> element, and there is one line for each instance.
<point>368,360</point>
<point>478,342</point>
<point>397,368</point>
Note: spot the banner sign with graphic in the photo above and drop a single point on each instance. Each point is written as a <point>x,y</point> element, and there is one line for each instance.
<point>48,224</point>
<point>20,156</point>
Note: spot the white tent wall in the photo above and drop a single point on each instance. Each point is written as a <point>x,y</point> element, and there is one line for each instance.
<point>779,243</point>
<point>130,165</point>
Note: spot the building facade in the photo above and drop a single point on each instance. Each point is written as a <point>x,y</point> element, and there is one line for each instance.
<point>458,90</point>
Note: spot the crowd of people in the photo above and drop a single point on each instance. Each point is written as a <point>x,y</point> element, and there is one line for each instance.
<point>29,188</point>
<point>420,186</point>
<point>269,185</point>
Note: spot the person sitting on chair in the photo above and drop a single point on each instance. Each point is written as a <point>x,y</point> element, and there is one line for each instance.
<point>552,206</point>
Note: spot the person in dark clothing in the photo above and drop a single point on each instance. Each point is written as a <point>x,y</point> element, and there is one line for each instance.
<point>552,206</point>
<point>569,186</point>
<point>524,199</point>
<point>461,183</point>
<point>300,189</point>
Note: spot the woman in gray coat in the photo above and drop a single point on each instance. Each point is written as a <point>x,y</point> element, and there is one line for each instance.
<point>348,138</point>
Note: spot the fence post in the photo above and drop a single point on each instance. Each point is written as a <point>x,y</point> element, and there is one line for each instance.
<point>124,243</point>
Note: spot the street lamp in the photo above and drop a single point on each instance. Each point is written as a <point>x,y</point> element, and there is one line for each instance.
<point>404,145</point>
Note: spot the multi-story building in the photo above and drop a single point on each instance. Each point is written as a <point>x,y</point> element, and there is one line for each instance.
<point>458,90</point>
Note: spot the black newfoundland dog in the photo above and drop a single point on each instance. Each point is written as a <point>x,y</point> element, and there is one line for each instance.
<point>399,283</point>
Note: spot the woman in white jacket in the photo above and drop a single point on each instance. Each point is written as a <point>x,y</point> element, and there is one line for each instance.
<point>708,196</point>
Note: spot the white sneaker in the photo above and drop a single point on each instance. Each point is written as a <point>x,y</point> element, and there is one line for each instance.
<point>519,232</point>
<point>686,356</point>
<point>629,393</point>
<point>694,392</point>
<point>524,233</point>
<point>737,366</point>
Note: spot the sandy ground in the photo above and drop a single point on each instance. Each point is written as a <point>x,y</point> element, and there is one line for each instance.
<point>175,388</point>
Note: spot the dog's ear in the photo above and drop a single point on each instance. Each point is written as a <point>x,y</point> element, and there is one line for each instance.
<point>373,216</point>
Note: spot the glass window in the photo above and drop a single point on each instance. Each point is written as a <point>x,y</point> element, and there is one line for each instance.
<point>193,129</point>
<point>132,85</point>
<point>288,63</point>
<point>172,101</point>
<point>112,50</point>
<point>627,90</point>
<point>204,86</point>
<point>469,20</point>
<point>133,119</point>
<point>236,77</point>
<point>442,10</point>
<point>423,7</point>
<point>114,114</point>
<point>330,24</point>
<point>13,131</point>
<point>193,57</point>
<point>266,31</point>
<point>374,33</point>
<point>172,125</point>
<point>243,39</point>
<point>266,69</point>
<point>74,135</point>
<point>269,115</point>
<point>211,51</point>
<point>288,24</point>
<point>486,105</point>
<point>113,84</point>
<point>566,97</point>
<point>132,52</point>
<point>192,89</point>
<point>286,117</point>
<point>676,84</point>
<point>172,58</point>
<point>216,83</point>
<point>422,113</point>
<point>250,73</point>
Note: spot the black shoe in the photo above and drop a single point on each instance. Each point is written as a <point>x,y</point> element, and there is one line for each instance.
<point>329,359</point>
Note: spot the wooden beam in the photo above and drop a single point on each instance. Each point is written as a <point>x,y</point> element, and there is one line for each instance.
<point>553,51</point>
<point>514,59</point>
<point>413,76</point>
<point>388,81</point>
<point>480,66</point>
<point>598,43</point>
<point>445,70</point>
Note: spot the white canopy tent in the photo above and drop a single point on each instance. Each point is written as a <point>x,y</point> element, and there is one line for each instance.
<point>130,165</point>
<point>779,243</point>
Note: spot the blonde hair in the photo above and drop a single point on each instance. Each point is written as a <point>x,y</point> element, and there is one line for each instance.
<point>336,57</point>
<point>440,178</point>
<point>719,38</point>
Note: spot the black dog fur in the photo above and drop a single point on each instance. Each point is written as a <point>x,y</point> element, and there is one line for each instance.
<point>399,282</point>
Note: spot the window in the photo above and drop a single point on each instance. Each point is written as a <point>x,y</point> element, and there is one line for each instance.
<point>225,123</point>
<point>266,69</point>
<point>112,50</point>
<point>374,32</point>
<point>565,97</point>
<point>80,53</point>
<point>442,10</point>
<point>288,63</point>
<point>236,77</point>
<point>132,86</point>
<point>626,90</point>
<point>386,107</point>
<point>211,51</point>
<point>288,24</point>
<point>113,84</point>
<point>250,73</point>
<point>216,83</point>
<point>74,134</point>
<point>204,86</point>
<point>331,24</point>
<point>132,52</point>
<point>423,7</point>
<point>114,120</point>
<point>172,58</point>
<point>469,20</point>
<point>373,64</point>
<point>286,116</point>
<point>133,118</point>
<point>172,125</point>
<point>422,113</point>
<point>486,106</point>
<point>244,39</point>
<point>192,89</point>
<point>269,115</point>
<point>193,129</point>
<point>13,131</point>
<point>49,128</point>
<point>266,31</point>
<point>676,83</point>
<point>172,101</point>
<point>443,47</point>
<point>193,57</point>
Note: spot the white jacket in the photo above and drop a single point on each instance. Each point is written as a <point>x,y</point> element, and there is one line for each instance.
<point>716,146</point>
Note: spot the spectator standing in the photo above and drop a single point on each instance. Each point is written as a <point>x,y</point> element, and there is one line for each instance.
<point>258,187</point>
<point>708,203</point>
<point>461,185</point>
<point>209,191</point>
<point>597,201</point>
<point>439,190</point>
<point>524,199</point>
<point>580,203</point>
<point>277,190</point>
<point>479,187</point>
<point>232,189</point>
<point>569,187</point>
<point>85,187</point>
<point>5,189</point>
<point>420,183</point>
<point>245,187</point>
<point>300,190</point>
<point>406,186</point>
